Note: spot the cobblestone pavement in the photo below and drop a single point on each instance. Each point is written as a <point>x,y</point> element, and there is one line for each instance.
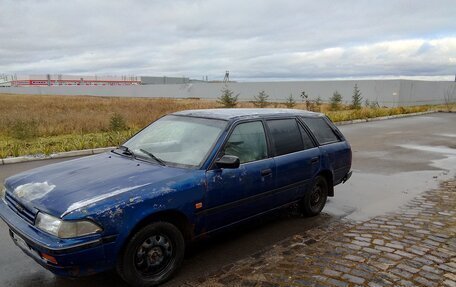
<point>414,247</point>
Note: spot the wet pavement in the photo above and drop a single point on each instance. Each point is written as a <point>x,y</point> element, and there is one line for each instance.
<point>413,247</point>
<point>394,161</point>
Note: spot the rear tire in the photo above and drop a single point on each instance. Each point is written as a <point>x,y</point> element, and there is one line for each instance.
<point>314,200</point>
<point>152,255</point>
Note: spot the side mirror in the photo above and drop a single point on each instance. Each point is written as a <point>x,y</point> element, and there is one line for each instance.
<point>228,161</point>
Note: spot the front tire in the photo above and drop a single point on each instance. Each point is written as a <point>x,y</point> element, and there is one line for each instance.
<point>314,200</point>
<point>152,255</point>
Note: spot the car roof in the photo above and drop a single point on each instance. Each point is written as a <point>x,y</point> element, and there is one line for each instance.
<point>230,114</point>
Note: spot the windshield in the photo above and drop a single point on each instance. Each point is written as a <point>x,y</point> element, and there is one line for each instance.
<point>177,140</point>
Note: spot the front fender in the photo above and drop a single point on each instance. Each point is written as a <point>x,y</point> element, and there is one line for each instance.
<point>120,216</point>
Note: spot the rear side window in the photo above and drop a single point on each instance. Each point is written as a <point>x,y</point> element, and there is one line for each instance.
<point>247,142</point>
<point>306,138</point>
<point>286,137</point>
<point>322,131</point>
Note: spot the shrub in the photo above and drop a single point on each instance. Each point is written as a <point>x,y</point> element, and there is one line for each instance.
<point>261,101</point>
<point>449,96</point>
<point>335,101</point>
<point>318,101</point>
<point>23,130</point>
<point>16,149</point>
<point>372,105</point>
<point>227,99</point>
<point>290,103</point>
<point>315,106</point>
<point>117,122</point>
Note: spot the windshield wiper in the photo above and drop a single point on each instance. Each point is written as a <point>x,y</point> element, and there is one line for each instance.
<point>127,151</point>
<point>153,156</point>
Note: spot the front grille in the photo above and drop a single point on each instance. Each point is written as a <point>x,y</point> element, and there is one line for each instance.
<point>24,212</point>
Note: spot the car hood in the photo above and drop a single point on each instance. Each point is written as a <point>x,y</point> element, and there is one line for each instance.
<point>61,188</point>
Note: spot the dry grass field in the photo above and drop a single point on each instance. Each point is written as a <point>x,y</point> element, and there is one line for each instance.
<point>31,124</point>
<point>57,115</point>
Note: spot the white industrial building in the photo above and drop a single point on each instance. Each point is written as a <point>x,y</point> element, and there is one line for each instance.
<point>44,80</point>
<point>49,80</point>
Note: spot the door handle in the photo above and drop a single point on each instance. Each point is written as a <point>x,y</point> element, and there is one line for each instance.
<point>314,159</point>
<point>266,172</point>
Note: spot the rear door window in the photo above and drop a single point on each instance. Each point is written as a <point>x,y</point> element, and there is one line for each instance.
<point>322,131</point>
<point>286,137</point>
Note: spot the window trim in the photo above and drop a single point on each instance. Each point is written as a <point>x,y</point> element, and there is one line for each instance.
<point>212,166</point>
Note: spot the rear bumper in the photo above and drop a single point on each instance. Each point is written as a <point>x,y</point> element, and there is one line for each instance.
<point>347,176</point>
<point>74,257</point>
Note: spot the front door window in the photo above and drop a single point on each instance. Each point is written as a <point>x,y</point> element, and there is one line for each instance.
<point>247,142</point>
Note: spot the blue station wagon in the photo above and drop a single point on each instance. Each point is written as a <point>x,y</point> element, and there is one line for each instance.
<point>184,176</point>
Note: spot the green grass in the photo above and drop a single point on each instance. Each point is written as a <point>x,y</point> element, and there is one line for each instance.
<point>368,113</point>
<point>52,144</point>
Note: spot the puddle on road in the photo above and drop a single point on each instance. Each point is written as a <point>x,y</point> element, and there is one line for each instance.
<point>367,195</point>
<point>435,149</point>
<point>448,164</point>
<point>447,135</point>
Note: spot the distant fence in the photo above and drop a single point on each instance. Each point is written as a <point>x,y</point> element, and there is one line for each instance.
<point>386,92</point>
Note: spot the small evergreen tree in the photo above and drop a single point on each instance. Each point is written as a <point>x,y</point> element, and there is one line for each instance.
<point>335,101</point>
<point>356,98</point>
<point>228,99</point>
<point>261,100</point>
<point>117,122</point>
<point>290,103</point>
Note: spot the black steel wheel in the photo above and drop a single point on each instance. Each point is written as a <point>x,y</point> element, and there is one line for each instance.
<point>315,199</point>
<point>152,255</point>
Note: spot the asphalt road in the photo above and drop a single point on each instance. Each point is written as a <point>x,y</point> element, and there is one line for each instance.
<point>393,161</point>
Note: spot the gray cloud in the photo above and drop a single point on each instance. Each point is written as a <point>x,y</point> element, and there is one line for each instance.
<point>253,39</point>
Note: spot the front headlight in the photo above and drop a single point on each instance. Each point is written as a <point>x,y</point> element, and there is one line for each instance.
<point>63,228</point>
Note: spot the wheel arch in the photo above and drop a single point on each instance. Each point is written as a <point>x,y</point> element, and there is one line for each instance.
<point>174,217</point>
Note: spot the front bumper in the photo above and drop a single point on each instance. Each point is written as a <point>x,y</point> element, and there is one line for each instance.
<point>75,257</point>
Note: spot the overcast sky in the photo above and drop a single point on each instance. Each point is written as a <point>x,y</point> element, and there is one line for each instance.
<point>253,39</point>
